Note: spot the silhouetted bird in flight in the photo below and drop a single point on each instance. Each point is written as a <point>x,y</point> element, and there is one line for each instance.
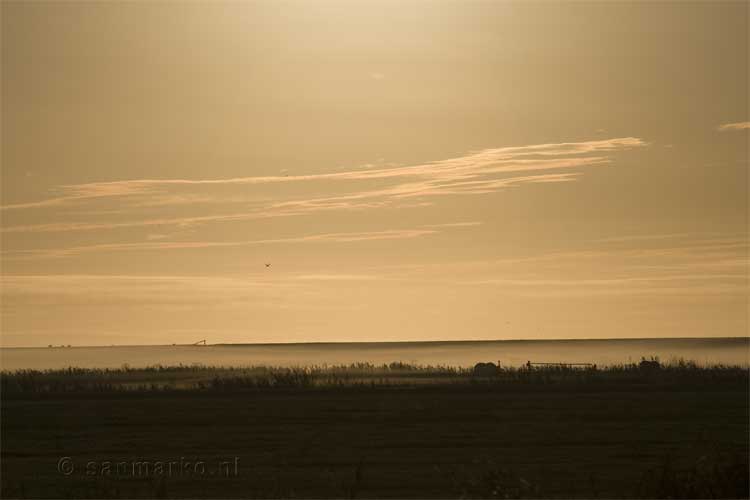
<point>268,265</point>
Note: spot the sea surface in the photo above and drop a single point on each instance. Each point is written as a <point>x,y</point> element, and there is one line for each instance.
<point>704,351</point>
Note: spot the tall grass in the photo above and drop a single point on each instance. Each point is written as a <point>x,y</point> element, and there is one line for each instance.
<point>679,373</point>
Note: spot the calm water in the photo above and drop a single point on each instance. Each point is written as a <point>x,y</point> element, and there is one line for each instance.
<point>735,351</point>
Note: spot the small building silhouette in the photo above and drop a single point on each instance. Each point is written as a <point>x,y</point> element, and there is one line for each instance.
<point>485,369</point>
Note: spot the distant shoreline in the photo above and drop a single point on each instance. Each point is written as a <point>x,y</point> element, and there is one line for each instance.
<point>398,344</point>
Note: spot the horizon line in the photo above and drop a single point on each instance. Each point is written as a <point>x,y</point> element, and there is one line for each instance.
<point>276,344</point>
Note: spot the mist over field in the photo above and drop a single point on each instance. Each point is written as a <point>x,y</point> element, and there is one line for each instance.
<point>704,351</point>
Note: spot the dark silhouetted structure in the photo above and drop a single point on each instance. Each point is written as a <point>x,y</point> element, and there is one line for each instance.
<point>485,369</point>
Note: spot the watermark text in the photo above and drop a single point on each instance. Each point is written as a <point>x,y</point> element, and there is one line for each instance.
<point>182,467</point>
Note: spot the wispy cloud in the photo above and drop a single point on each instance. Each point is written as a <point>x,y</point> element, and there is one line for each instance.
<point>666,265</point>
<point>680,271</point>
<point>83,192</point>
<point>158,243</point>
<point>692,269</point>
<point>734,126</point>
<point>337,277</point>
<point>161,290</point>
<point>702,285</point>
<point>480,172</point>
<point>455,224</point>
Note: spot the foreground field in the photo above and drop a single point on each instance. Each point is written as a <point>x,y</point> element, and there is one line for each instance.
<point>555,433</point>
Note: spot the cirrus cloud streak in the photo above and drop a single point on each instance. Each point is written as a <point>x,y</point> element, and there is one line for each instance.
<point>480,172</point>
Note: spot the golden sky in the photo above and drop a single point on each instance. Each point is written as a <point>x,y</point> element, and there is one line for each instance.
<point>410,170</point>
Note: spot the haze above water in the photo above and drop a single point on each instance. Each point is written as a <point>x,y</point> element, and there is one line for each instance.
<point>733,351</point>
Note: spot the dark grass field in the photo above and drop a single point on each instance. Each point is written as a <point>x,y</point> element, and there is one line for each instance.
<point>676,433</point>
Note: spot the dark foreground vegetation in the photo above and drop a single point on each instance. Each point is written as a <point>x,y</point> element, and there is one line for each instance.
<point>648,375</point>
<point>365,431</point>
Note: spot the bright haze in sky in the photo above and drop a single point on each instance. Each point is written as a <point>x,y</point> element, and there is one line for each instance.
<point>409,170</point>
